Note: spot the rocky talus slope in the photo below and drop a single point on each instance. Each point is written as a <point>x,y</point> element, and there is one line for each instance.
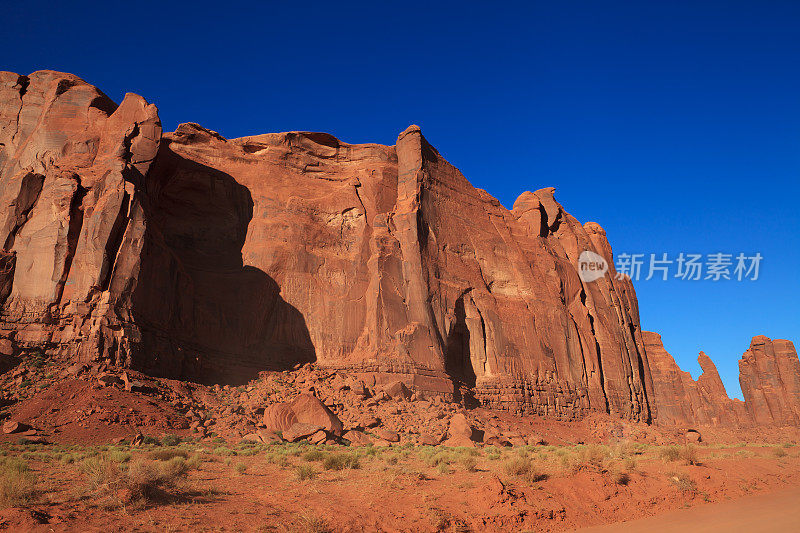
<point>187,255</point>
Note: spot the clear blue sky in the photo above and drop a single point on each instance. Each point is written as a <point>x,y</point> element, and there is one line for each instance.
<point>675,126</point>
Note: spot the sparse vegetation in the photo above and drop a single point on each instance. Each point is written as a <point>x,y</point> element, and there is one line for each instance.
<point>469,463</point>
<point>166,455</point>
<point>170,440</point>
<point>143,480</point>
<point>683,482</point>
<point>523,467</point>
<point>305,472</point>
<point>17,485</point>
<point>341,461</point>
<point>670,453</point>
<point>622,478</point>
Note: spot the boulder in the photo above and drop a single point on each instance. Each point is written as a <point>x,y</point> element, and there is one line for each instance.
<point>13,426</point>
<point>397,390</point>
<point>6,347</point>
<point>318,437</point>
<point>357,438</point>
<point>300,430</point>
<point>310,410</point>
<point>278,417</point>
<point>426,439</point>
<point>387,435</point>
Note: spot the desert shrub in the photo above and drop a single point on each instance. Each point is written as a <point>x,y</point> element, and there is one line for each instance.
<point>592,455</point>
<point>143,480</point>
<point>523,467</point>
<point>315,524</point>
<point>689,454</point>
<point>305,472</point>
<point>670,453</point>
<point>314,455</point>
<point>436,458</point>
<point>17,485</point>
<point>341,461</point>
<point>194,461</point>
<point>622,478</point>
<point>683,482</point>
<point>469,463</point>
<point>630,464</point>
<point>222,450</point>
<point>241,468</point>
<point>444,468</point>
<point>779,452</point>
<point>170,440</point>
<point>166,455</point>
<point>118,456</point>
<point>151,440</point>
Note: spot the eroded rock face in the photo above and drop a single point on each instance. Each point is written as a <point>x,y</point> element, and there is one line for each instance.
<point>193,256</point>
<point>200,257</point>
<point>70,211</point>
<point>769,373</point>
<point>384,261</point>
<point>682,401</point>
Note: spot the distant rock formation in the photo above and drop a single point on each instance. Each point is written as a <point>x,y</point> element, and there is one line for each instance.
<point>769,373</point>
<point>769,376</point>
<point>193,256</point>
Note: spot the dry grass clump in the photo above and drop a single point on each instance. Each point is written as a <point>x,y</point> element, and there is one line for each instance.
<point>469,463</point>
<point>683,482</point>
<point>687,453</point>
<point>166,455</point>
<point>591,456</point>
<point>315,524</point>
<point>17,485</point>
<point>622,478</point>
<point>670,453</point>
<point>341,461</point>
<point>304,472</point>
<point>314,455</point>
<point>143,480</point>
<point>523,467</point>
<point>779,452</point>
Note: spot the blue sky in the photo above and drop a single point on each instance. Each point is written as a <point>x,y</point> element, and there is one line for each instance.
<point>675,125</point>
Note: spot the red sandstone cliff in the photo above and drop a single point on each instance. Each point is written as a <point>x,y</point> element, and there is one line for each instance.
<point>194,256</point>
<point>769,376</point>
<point>769,373</point>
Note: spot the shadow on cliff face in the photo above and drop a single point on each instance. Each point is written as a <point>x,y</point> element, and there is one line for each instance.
<point>458,360</point>
<point>203,314</point>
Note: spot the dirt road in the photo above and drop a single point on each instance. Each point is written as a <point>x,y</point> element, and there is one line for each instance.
<point>774,511</point>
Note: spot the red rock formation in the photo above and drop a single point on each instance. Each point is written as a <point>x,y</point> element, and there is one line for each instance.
<point>682,401</point>
<point>197,256</point>
<point>194,256</point>
<point>70,162</point>
<point>769,373</point>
